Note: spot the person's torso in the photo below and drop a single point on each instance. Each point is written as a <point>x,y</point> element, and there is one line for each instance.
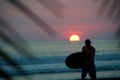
<point>89,51</point>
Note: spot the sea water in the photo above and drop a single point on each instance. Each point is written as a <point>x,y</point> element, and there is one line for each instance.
<point>48,60</point>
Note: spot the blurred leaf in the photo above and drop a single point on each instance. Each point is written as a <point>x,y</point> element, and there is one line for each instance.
<point>113,8</point>
<point>50,31</point>
<point>117,16</point>
<point>14,64</point>
<point>53,5</point>
<point>9,41</point>
<point>4,75</point>
<point>7,28</point>
<point>103,7</point>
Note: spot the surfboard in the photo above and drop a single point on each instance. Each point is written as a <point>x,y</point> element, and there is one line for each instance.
<point>75,60</point>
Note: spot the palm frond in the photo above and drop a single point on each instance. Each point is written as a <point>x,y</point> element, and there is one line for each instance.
<point>103,7</point>
<point>113,8</point>
<point>53,5</point>
<point>13,63</point>
<point>6,30</point>
<point>4,74</point>
<point>48,29</point>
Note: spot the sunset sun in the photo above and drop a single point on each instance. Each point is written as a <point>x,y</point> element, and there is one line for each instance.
<point>74,38</point>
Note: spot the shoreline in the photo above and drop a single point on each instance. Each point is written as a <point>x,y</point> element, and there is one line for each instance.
<point>101,75</point>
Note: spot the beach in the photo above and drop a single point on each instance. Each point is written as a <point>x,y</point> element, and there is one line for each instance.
<point>101,75</point>
<point>49,61</point>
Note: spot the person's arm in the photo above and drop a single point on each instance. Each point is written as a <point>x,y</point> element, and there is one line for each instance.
<point>92,55</point>
<point>83,49</point>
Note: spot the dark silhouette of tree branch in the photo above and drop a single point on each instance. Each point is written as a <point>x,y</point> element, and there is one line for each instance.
<point>6,30</point>
<point>5,75</point>
<point>53,5</point>
<point>114,7</point>
<point>5,27</point>
<point>103,7</point>
<point>50,31</point>
<point>117,16</point>
<point>13,63</point>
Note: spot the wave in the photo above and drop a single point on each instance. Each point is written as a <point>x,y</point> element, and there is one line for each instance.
<point>57,59</point>
<point>55,64</point>
<point>60,68</point>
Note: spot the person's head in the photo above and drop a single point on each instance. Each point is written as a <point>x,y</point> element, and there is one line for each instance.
<point>87,42</point>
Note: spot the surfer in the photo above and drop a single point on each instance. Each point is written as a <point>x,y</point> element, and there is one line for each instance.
<point>89,66</point>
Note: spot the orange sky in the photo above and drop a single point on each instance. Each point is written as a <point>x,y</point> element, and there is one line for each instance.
<point>79,17</point>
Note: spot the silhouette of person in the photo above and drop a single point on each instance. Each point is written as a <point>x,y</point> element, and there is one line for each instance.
<point>89,66</point>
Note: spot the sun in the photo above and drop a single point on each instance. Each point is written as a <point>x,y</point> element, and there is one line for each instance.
<point>74,38</point>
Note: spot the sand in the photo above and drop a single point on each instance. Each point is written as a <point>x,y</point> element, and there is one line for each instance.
<point>101,75</point>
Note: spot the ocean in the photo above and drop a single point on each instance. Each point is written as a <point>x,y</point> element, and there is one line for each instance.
<point>47,62</point>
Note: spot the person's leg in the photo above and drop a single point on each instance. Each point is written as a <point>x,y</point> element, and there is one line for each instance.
<point>92,75</point>
<point>92,72</point>
<point>83,74</point>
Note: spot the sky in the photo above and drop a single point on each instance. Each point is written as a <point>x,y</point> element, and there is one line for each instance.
<point>78,17</point>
